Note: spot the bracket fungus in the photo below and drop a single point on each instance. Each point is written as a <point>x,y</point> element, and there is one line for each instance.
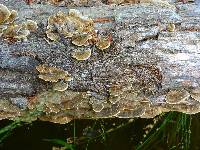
<point>195,94</point>
<point>9,29</point>
<point>177,96</point>
<point>171,27</point>
<point>97,107</point>
<point>82,54</point>
<point>69,25</point>
<point>11,18</point>
<point>4,13</point>
<point>31,25</point>
<point>77,27</point>
<point>81,39</point>
<point>103,43</point>
<point>52,74</point>
<point>60,86</point>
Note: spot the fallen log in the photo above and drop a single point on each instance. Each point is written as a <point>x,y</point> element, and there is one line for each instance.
<point>151,65</point>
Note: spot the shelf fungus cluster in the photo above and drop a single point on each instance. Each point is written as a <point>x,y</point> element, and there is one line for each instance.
<point>80,29</point>
<point>177,96</point>
<point>58,76</point>
<point>12,31</point>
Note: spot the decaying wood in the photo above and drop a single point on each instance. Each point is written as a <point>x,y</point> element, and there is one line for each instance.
<point>147,69</point>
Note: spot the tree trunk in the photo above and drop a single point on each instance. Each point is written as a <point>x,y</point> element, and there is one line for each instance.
<point>148,69</point>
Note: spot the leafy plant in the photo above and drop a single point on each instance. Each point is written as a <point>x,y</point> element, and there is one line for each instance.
<point>173,130</point>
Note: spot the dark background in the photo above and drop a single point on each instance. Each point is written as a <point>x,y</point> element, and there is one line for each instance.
<point>31,136</point>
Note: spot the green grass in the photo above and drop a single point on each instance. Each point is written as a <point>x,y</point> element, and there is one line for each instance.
<point>172,131</point>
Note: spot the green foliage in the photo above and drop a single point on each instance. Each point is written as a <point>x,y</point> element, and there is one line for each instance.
<point>61,143</point>
<point>173,130</point>
<point>6,131</point>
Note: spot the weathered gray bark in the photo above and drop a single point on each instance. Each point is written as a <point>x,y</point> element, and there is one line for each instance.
<point>149,65</point>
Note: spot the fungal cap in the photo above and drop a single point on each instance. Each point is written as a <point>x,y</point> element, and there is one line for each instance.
<point>48,78</point>
<point>103,43</point>
<point>171,27</point>
<point>67,34</point>
<point>4,13</point>
<point>177,96</point>
<point>15,31</point>
<point>58,18</point>
<point>81,39</point>
<point>97,107</point>
<point>13,15</point>
<point>195,93</point>
<point>82,55</point>
<point>22,34</point>
<point>52,74</point>
<point>60,86</point>
<point>31,25</point>
<point>52,36</point>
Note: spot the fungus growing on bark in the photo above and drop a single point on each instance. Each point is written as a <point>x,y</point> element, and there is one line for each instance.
<point>4,13</point>
<point>13,15</point>
<point>52,35</point>
<point>72,25</point>
<point>10,30</point>
<point>97,107</point>
<point>103,43</point>
<point>81,39</point>
<point>16,32</point>
<point>82,54</point>
<point>177,96</point>
<point>171,27</point>
<point>52,74</point>
<point>31,25</point>
<point>195,94</point>
<point>2,28</point>
<point>60,86</point>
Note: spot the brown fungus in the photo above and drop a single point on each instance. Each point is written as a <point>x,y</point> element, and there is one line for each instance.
<point>52,35</point>
<point>103,43</point>
<point>60,86</point>
<point>195,94</point>
<point>73,24</point>
<point>177,96</point>
<point>16,32</point>
<point>52,74</point>
<point>11,18</point>
<point>4,13</point>
<point>31,25</point>
<point>2,28</point>
<point>58,19</point>
<point>97,107</point>
<point>12,31</point>
<point>82,54</point>
<point>81,39</point>
<point>171,27</point>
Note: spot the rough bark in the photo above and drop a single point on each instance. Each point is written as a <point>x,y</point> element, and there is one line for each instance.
<point>152,70</point>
